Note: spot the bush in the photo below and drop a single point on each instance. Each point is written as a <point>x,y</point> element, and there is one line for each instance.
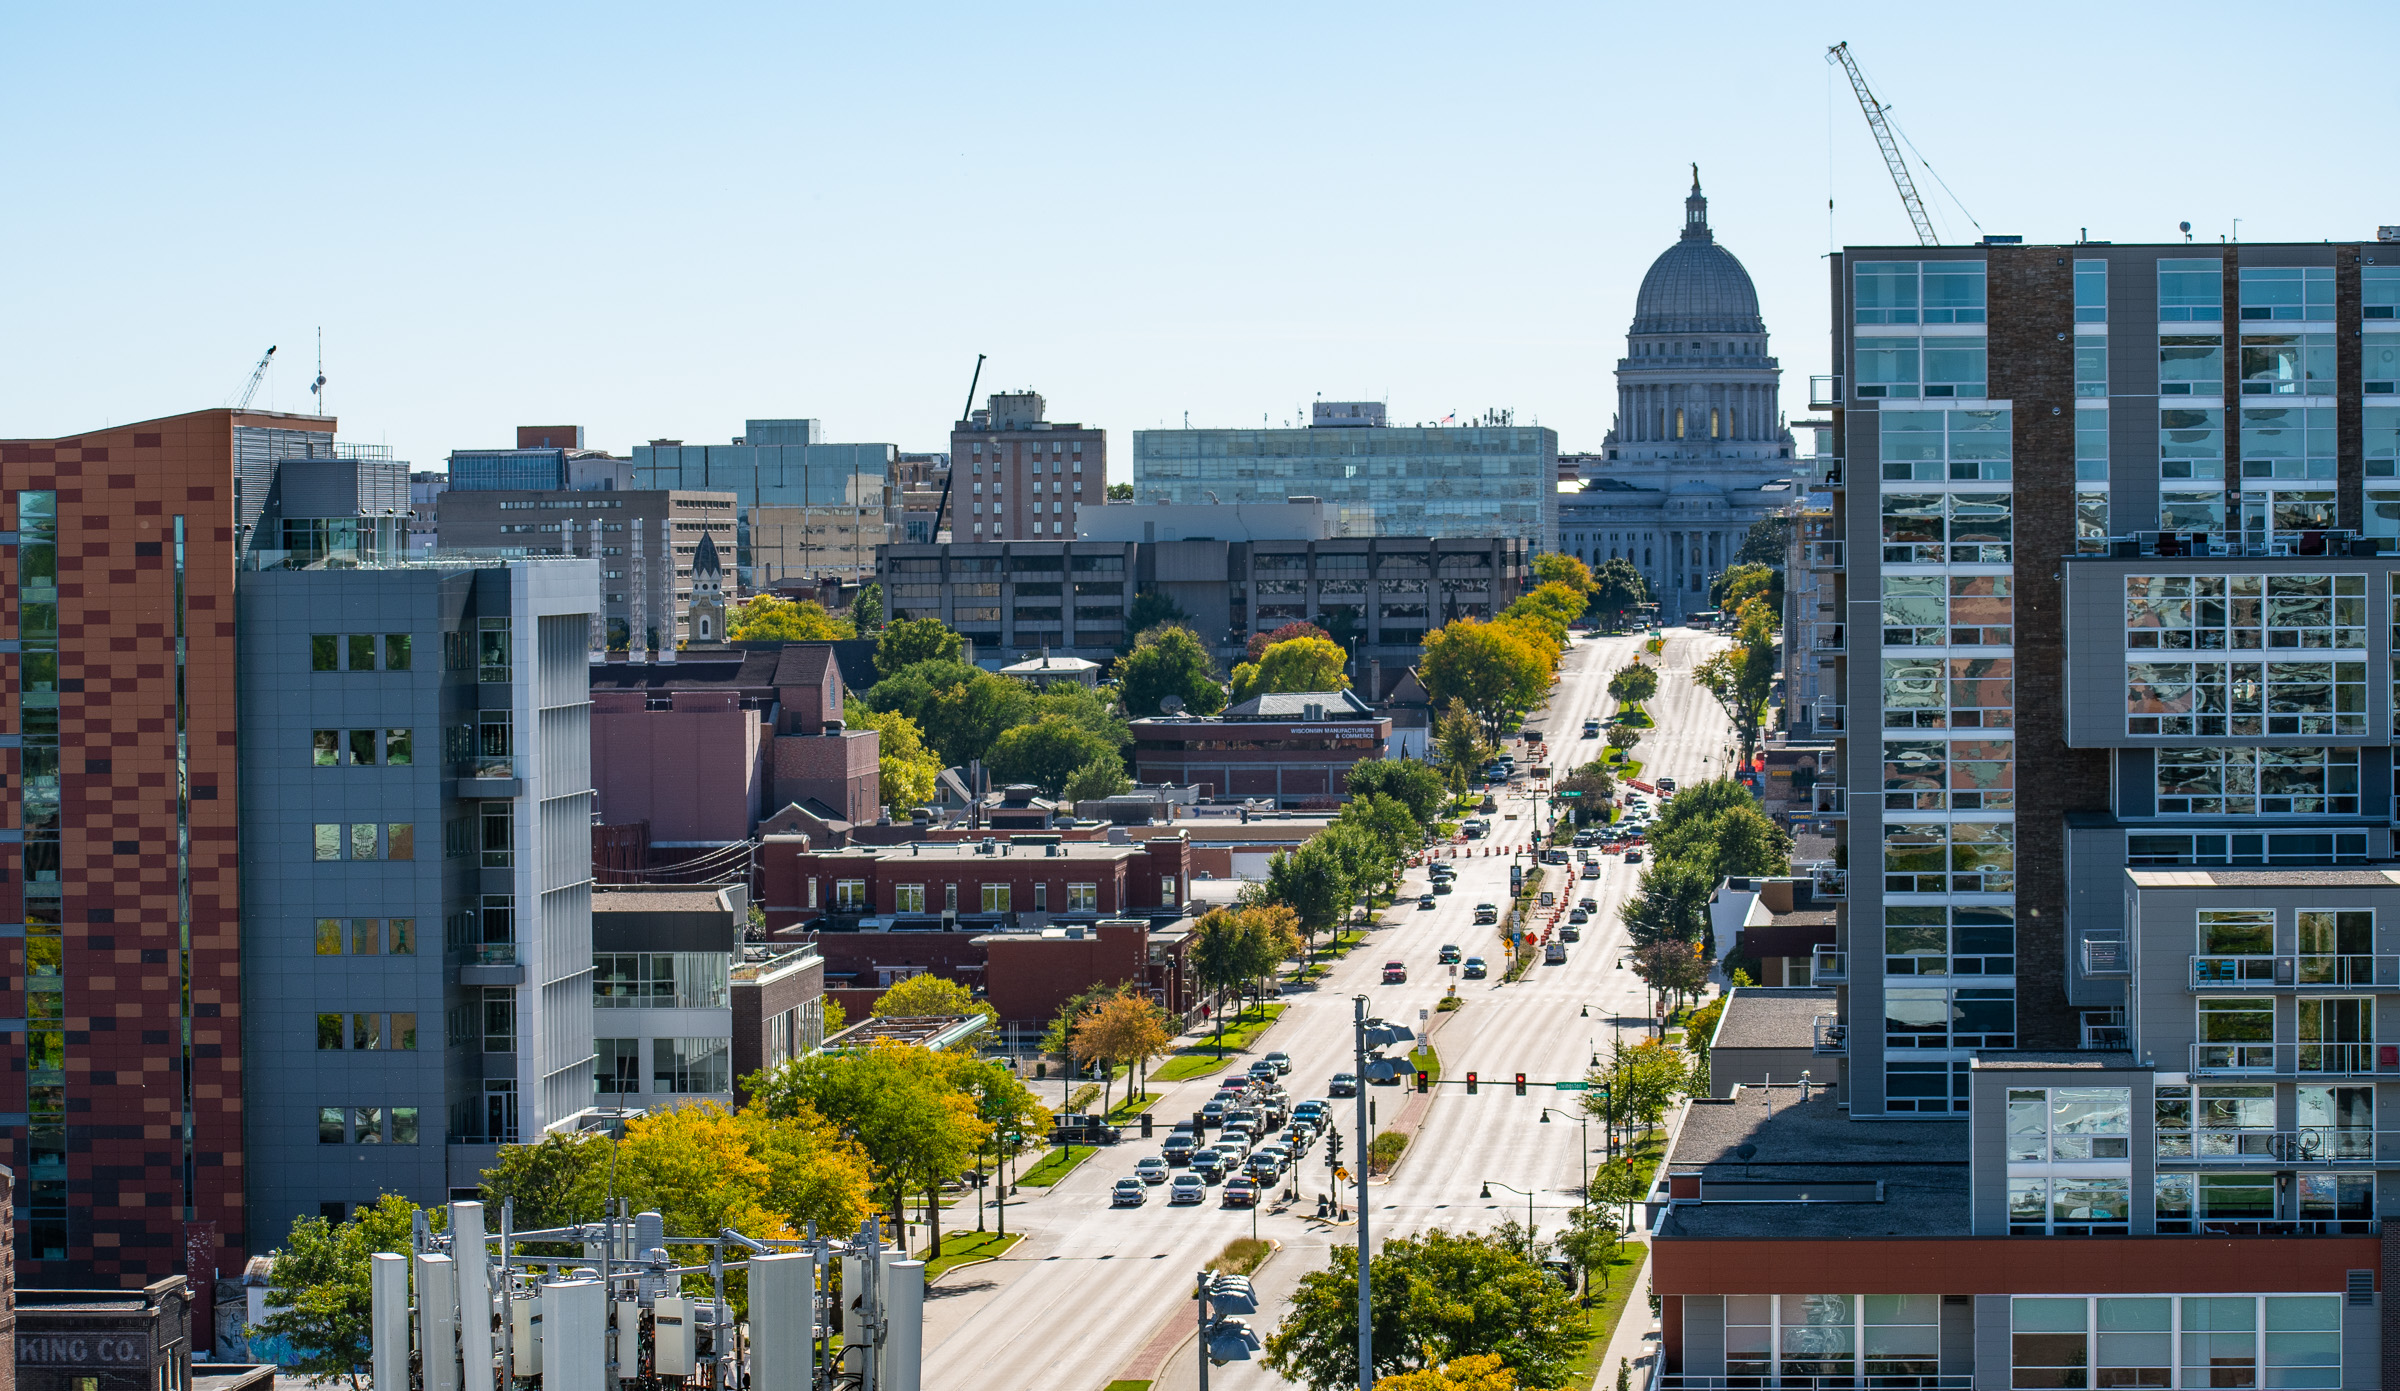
<point>1384,1151</point>
<point>1084,1096</point>
<point>1449,1003</point>
<point>1241,1256</point>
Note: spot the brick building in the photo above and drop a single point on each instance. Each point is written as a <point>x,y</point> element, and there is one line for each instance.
<point>1024,880</point>
<point>1295,748</point>
<point>1030,976</point>
<point>1038,472</point>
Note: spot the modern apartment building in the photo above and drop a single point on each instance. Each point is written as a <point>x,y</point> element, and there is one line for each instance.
<point>2116,702</point>
<point>416,847</point>
<point>1495,478</point>
<point>646,540</point>
<point>1023,475</point>
<point>1073,597</point>
<point>804,508</point>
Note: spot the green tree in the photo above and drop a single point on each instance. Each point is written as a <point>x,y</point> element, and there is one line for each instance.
<point>1102,777</point>
<point>1737,841</point>
<point>1768,542</point>
<point>1120,492</point>
<point>1169,661</point>
<point>1742,677</point>
<point>1302,664</point>
<point>1735,587</point>
<point>1299,628</point>
<point>1590,1241</point>
<point>1312,883</point>
<point>1394,828</point>
<point>1618,588</point>
<point>909,641</point>
<point>1458,738</point>
<point>866,610</point>
<point>1414,785</point>
<point>1151,609</point>
<point>1047,752</point>
<point>928,996</point>
<point>907,1108</point>
<point>322,1287</point>
<point>1556,605</point>
<point>1671,904</point>
<point>1557,567</point>
<point>1624,736</point>
<point>1488,667</point>
<point>967,720</point>
<point>911,689</point>
<point>1092,707</point>
<point>905,769</point>
<point>1672,970</point>
<point>1459,1374</point>
<point>1633,684</point>
<point>1436,1298</point>
<point>1638,1084</point>
<point>768,618</point>
<point>546,1181</point>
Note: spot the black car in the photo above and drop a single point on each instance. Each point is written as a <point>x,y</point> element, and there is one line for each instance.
<point>1448,956</point>
<point>1473,970</point>
<point>1209,1164</point>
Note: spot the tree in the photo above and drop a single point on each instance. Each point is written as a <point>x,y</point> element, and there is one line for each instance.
<point>1414,785</point>
<point>926,996</point>
<point>866,610</point>
<point>1743,677</point>
<point>1590,1241</point>
<point>1671,969</point>
<point>1461,1374</point>
<point>964,721</point>
<point>911,689</point>
<point>1151,609</point>
<point>703,1167</point>
<point>1633,684</point>
<point>905,1107</point>
<point>1619,1186</point>
<point>768,618</point>
<point>1260,642</point>
<point>1642,1081</point>
<point>1487,667</point>
<point>546,1180</point>
<point>906,771</point>
<point>1737,841</point>
<point>1311,882</point>
<point>1618,588</point>
<point>1128,1030</point>
<point>322,1287</point>
<point>1300,664</point>
<point>1047,752</point>
<point>1737,586</point>
<point>1557,567</point>
<point>1768,542</point>
<point>909,641</point>
<point>1671,904</point>
<point>1169,661</point>
<point>1094,708</point>
<point>1458,736</point>
<point>1436,1298</point>
<point>1120,492</point>
<point>1556,605</point>
<point>1102,777</point>
<point>1624,736</point>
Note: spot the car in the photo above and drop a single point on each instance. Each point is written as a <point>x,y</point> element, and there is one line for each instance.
<point>1449,954</point>
<point>1311,1114</point>
<point>1425,901</point>
<point>1395,973</point>
<point>1632,857</point>
<point>1591,729</point>
<point>1209,1164</point>
<point>1664,785</point>
<point>1241,1192</point>
<point>1212,1114</point>
<point>1570,933</point>
<point>1473,969</point>
<point>1554,954</point>
<point>1584,838</point>
<point>1263,1168</point>
<point>1589,905</point>
<point>1230,1094</point>
<point>1187,1188</point>
<point>1283,1067</point>
<point>1592,870</point>
<point>1297,1140</point>
<point>1262,1073</point>
<point>1151,1170</point>
<point>1129,1192</point>
<point>1444,871</point>
<point>1487,913</point>
<point>1237,1138</point>
<point>1178,1148</point>
<point>1554,857</point>
<point>1578,916</point>
<point>1343,1084</point>
<point>1443,886</point>
<point>1244,1119</point>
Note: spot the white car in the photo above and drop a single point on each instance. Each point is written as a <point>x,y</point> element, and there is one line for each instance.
<point>1129,1192</point>
<point>1152,1170</point>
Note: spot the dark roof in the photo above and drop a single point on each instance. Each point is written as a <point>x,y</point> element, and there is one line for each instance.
<point>803,663</point>
<point>1922,1166</point>
<point>714,668</point>
<point>1785,938</point>
<point>1293,705</point>
<point>657,898</point>
<point>1758,1016</point>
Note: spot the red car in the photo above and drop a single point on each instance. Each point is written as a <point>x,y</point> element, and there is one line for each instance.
<point>1395,973</point>
<point>1241,1192</point>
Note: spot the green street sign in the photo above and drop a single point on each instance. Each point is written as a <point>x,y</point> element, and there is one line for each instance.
<point>1560,794</point>
<point>1572,1086</point>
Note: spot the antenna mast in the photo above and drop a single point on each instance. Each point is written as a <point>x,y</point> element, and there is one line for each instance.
<point>317,387</point>
<point>1882,129</point>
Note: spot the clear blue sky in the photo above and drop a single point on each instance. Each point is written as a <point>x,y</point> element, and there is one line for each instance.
<point>658,220</point>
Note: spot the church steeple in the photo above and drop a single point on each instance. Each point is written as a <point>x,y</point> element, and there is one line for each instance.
<point>1695,212</point>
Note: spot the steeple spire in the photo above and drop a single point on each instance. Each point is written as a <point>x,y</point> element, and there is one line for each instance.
<point>1695,212</point>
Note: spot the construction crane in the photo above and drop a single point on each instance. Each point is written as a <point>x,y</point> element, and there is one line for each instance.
<point>257,374</point>
<point>1882,127</point>
<point>943,507</point>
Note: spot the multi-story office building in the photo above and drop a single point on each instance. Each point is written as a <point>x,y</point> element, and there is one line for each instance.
<point>425,488</point>
<point>804,508</point>
<point>1024,475</point>
<point>416,850</point>
<point>920,479</point>
<point>546,458</point>
<point>1073,597</point>
<point>1495,478</point>
<point>2117,710</point>
<point>646,541</point>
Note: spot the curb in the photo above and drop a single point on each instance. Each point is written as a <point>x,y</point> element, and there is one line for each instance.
<point>1411,1119</point>
<point>1174,1334</point>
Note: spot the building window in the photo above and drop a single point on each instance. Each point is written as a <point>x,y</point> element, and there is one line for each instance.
<point>327,838</point>
<point>908,898</point>
<point>333,1124</point>
<point>850,895</point>
<point>2091,292</point>
<point>2132,1341</point>
<point>1169,890</point>
<point>2287,292</point>
<point>326,747</point>
<point>399,650</point>
<point>1083,898</point>
<point>499,1019</point>
<point>324,652</point>
<point>499,835</point>
<point>494,660</point>
<point>2303,780</point>
<point>1945,1017</point>
<point>1041,898</point>
<point>617,1068</point>
<point>1779,1339</point>
<point>995,898</point>
<point>2304,698</point>
<point>2236,1032</point>
<point>689,1066</point>
<point>2191,364</point>
<point>2191,290</point>
<point>950,900</point>
<point>2070,1124</point>
<point>2058,1206</point>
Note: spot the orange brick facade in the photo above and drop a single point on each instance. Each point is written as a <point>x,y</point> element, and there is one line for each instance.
<point>142,1201</point>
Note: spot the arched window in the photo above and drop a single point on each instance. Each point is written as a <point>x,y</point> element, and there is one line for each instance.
<point>1712,434</point>
<point>1679,422</point>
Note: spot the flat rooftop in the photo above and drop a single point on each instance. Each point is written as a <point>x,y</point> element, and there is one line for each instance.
<point>2263,878</point>
<point>965,851</point>
<point>1758,1016</point>
<point>1813,1145</point>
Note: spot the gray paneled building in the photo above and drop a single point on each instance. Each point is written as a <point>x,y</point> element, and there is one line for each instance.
<point>416,872</point>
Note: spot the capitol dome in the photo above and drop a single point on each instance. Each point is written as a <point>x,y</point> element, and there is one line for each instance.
<point>1697,286</point>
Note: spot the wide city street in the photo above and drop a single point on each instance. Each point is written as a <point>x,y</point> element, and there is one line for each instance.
<point>1092,1286</point>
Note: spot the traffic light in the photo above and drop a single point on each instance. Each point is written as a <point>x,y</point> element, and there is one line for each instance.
<point>1424,1080</point>
<point>1470,1084</point>
<point>1520,1084</point>
<point>1145,1125</point>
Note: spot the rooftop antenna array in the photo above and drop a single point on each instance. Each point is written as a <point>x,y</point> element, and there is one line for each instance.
<point>317,388</point>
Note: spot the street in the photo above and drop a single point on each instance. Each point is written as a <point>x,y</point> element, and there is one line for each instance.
<point>1077,1300</point>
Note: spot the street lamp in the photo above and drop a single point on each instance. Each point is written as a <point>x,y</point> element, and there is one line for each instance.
<point>1368,1034</point>
<point>1586,1120</point>
<point>1489,1185</point>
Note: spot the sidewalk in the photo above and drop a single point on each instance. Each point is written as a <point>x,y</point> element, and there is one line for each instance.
<point>1636,1338</point>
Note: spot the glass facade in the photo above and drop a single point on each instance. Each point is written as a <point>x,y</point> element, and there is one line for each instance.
<point>1473,481</point>
<point>43,1192</point>
<point>492,470</point>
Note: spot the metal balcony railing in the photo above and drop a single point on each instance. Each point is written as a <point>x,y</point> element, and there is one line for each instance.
<point>1828,637</point>
<point>490,954</point>
<point>1826,799</point>
<point>1824,555</point>
<point>1825,391</point>
<point>2308,1145</point>
<point>2106,956</point>
<point>2106,1038</point>
<point>2281,1226</point>
<point>1827,717</point>
<point>1827,882</point>
<point>1831,1035</point>
<point>1826,967</point>
<point>2202,543</point>
<point>487,766</point>
<point>1681,1381</point>
<point>2226,972</point>
<point>2296,1059</point>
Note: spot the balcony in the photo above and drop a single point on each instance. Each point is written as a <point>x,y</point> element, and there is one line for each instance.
<point>1678,1381</point>
<point>1826,966</point>
<point>2217,1145</point>
<point>1825,471</point>
<point>1829,799</point>
<point>2296,1059</point>
<point>1823,555</point>
<point>1828,638</point>
<point>2268,972</point>
<point>2104,954</point>
<point>488,777</point>
<point>2106,1036</point>
<point>1827,717</point>
<point>1825,392</point>
<point>2200,543</point>
<point>1828,882</point>
<point>1831,1036</point>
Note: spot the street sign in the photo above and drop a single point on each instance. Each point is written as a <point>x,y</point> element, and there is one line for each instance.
<point>1572,1086</point>
<point>1568,794</point>
<point>1341,1176</point>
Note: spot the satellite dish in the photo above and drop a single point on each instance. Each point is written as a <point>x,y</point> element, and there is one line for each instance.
<point>2185,227</point>
<point>1173,705</point>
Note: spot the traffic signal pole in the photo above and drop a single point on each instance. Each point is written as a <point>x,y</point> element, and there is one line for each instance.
<point>1366,1320</point>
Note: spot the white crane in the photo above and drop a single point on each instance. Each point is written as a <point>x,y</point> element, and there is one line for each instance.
<point>1884,141</point>
<point>257,374</point>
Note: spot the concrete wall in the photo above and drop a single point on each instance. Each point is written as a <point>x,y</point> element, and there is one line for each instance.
<point>697,772</point>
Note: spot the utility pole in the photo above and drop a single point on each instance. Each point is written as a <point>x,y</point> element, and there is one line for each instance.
<point>1366,1318</point>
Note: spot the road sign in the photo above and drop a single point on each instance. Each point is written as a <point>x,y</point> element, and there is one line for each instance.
<point>1568,794</point>
<point>1572,1086</point>
<point>1342,1176</point>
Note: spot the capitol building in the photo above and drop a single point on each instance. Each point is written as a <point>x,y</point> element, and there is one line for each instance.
<point>1699,449</point>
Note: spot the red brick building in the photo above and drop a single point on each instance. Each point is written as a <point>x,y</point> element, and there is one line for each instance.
<point>1014,474</point>
<point>1020,880</point>
<point>1295,748</point>
<point>1029,976</point>
<point>126,1136</point>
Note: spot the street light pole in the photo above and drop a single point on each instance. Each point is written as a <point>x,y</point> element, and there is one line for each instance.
<point>1366,1321</point>
<point>1586,1121</point>
<point>1489,1185</point>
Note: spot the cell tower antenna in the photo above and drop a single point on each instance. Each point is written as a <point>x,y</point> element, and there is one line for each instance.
<point>317,388</point>
<point>1881,126</point>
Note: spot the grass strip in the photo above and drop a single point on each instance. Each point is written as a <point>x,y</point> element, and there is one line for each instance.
<point>1241,1256</point>
<point>958,1248</point>
<point>1607,1308</point>
<point>1132,1107</point>
<point>1056,1165</point>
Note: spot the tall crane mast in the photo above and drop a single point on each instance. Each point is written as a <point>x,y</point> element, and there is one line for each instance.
<point>943,507</point>
<point>257,374</point>
<point>1882,128</point>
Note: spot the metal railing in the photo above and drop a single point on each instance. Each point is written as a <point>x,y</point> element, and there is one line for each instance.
<point>1830,1035</point>
<point>2106,956</point>
<point>2306,1226</point>
<point>2296,1059</point>
<point>1826,967</point>
<point>490,954</point>
<point>2307,1145</point>
<point>1827,882</point>
<point>2232,972</point>
<point>2106,1038</point>
<point>1829,800</point>
<point>1827,716</point>
<point>1828,638</point>
<point>1825,391</point>
<point>1823,555</point>
<point>2199,544</point>
<point>1682,1381</point>
<point>488,766</point>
